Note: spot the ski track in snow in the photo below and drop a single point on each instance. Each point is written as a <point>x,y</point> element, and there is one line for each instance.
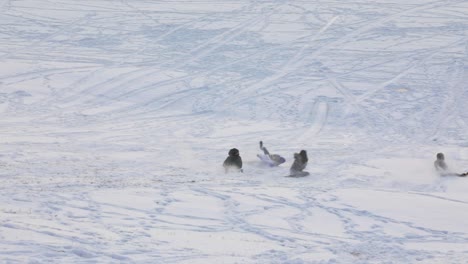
<point>115,120</point>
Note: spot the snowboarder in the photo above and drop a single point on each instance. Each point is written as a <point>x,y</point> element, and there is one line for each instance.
<point>271,160</point>
<point>233,162</point>
<point>442,168</point>
<point>300,163</point>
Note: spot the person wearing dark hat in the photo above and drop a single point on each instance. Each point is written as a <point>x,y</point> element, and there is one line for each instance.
<point>442,168</point>
<point>233,162</point>
<point>439,163</point>
<point>299,164</point>
<point>271,160</point>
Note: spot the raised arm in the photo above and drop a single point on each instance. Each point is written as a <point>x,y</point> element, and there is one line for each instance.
<point>265,150</point>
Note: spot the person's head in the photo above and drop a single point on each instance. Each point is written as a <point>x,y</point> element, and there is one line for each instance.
<point>277,159</point>
<point>233,152</point>
<point>440,156</point>
<point>303,153</point>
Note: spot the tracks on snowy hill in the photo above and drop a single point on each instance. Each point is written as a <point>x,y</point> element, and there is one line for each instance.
<point>259,221</point>
<point>115,121</point>
<point>128,88</point>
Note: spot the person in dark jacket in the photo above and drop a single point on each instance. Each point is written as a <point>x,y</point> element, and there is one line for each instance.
<point>233,162</point>
<point>299,164</point>
<point>442,168</point>
<point>440,164</point>
<point>271,160</point>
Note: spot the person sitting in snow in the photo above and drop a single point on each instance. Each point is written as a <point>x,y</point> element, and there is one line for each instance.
<point>442,168</point>
<point>271,160</point>
<point>299,164</point>
<point>233,162</point>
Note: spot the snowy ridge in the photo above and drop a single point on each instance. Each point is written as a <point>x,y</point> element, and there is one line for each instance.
<point>115,118</point>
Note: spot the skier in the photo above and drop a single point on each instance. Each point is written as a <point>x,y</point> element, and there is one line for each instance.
<point>271,160</point>
<point>300,163</point>
<point>233,162</point>
<point>442,168</point>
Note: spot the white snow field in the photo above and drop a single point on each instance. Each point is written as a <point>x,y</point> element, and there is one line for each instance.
<point>116,117</point>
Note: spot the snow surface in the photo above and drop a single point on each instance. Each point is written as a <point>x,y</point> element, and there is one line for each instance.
<point>115,118</point>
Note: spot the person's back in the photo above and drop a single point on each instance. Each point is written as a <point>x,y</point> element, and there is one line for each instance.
<point>277,159</point>
<point>442,168</point>
<point>440,164</point>
<point>299,164</point>
<point>233,162</point>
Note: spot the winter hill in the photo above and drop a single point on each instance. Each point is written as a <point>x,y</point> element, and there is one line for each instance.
<point>116,116</point>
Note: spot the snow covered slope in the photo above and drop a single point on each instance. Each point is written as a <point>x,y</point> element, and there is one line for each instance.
<point>115,118</point>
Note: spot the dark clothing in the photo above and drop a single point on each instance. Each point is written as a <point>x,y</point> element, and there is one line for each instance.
<point>299,164</point>
<point>265,150</point>
<point>440,165</point>
<point>233,162</point>
<point>442,168</point>
<point>299,174</point>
